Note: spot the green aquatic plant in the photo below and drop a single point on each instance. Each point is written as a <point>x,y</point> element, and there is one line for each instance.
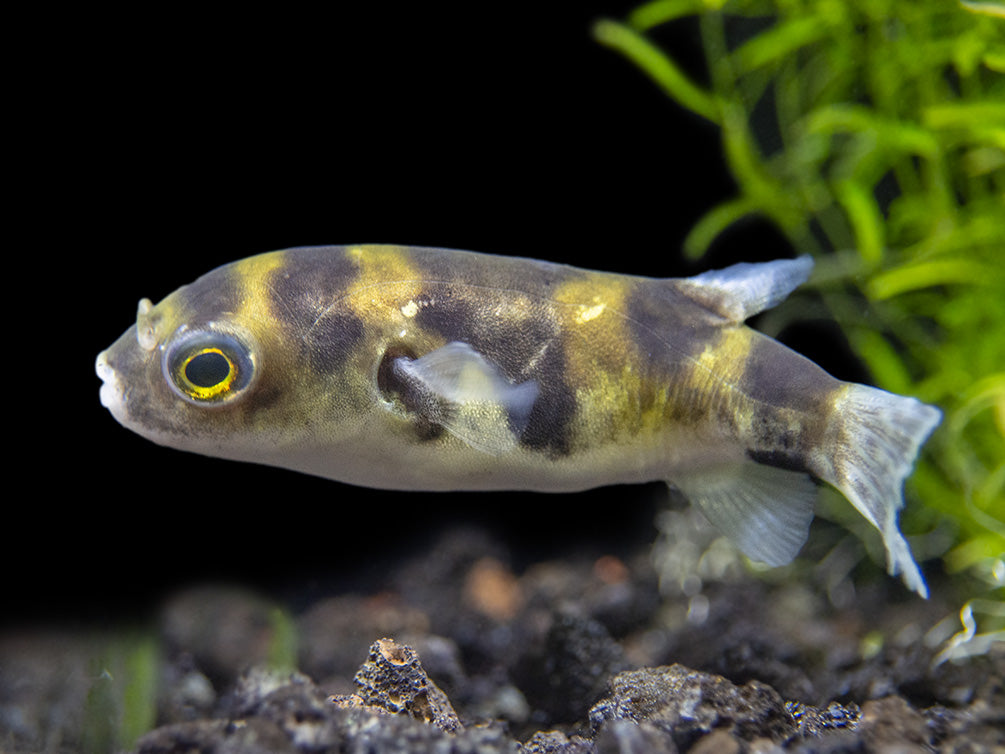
<point>284,640</point>
<point>871,133</point>
<point>121,703</point>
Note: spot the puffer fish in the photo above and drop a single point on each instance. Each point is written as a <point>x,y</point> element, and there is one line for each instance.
<point>430,369</point>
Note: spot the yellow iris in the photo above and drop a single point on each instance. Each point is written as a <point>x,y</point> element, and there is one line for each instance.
<point>207,373</point>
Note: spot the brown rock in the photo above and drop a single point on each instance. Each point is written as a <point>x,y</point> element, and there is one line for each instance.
<point>688,704</point>
<point>717,742</point>
<point>253,736</point>
<point>892,725</point>
<point>393,678</point>
<point>493,590</point>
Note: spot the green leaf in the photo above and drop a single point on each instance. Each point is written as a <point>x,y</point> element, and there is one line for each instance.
<point>965,115</point>
<point>714,222</point>
<point>658,66</point>
<point>915,276</point>
<point>884,362</point>
<point>892,134</point>
<point>988,8</point>
<point>780,42</point>
<point>661,11</point>
<point>866,220</point>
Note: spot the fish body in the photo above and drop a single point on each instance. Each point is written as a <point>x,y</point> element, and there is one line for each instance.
<point>430,369</point>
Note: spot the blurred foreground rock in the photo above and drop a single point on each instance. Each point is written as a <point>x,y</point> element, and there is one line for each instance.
<point>461,652</point>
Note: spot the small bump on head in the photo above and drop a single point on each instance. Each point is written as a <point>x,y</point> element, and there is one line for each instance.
<point>146,329</point>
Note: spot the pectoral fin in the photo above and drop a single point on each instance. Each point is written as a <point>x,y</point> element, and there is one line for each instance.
<point>468,395</point>
<point>741,291</point>
<point>765,511</point>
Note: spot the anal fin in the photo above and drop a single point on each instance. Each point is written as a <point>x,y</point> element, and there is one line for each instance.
<point>765,511</point>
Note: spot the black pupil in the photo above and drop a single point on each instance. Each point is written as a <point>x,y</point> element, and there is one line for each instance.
<point>207,369</point>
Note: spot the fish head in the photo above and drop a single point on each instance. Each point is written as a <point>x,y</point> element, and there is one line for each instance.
<point>176,382</point>
<point>223,368</point>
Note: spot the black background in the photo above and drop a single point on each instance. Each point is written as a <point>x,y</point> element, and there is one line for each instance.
<point>165,145</point>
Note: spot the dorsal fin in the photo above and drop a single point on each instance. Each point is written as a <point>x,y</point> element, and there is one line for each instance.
<point>741,291</point>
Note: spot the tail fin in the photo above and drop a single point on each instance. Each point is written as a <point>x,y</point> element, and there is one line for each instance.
<point>874,439</point>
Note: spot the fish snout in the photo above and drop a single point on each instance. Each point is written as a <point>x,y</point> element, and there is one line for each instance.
<point>110,392</point>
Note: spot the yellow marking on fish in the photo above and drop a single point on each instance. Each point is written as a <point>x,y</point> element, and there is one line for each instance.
<point>718,368</point>
<point>592,312</point>
<point>724,358</point>
<point>614,398</point>
<point>595,305</point>
<point>710,380</point>
<point>620,405</point>
<point>386,275</point>
<point>254,274</point>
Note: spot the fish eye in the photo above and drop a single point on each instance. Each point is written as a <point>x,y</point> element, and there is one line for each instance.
<point>208,367</point>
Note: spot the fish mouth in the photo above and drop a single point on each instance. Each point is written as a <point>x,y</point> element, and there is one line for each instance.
<point>110,392</point>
